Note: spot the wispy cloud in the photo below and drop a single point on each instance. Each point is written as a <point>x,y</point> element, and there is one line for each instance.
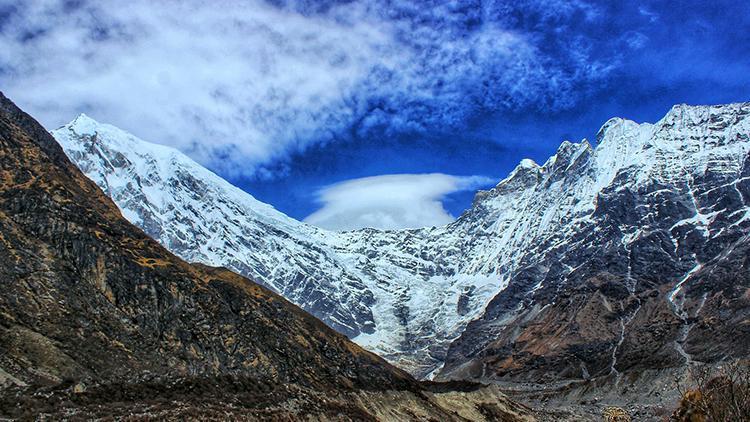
<point>645,11</point>
<point>240,85</point>
<point>394,201</point>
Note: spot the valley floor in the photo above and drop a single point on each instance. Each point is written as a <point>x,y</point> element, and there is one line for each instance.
<point>235,399</point>
<point>646,396</point>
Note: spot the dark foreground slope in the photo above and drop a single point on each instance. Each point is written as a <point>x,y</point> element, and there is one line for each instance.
<point>96,318</point>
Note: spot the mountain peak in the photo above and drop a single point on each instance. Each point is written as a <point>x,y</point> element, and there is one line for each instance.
<point>610,126</point>
<point>83,125</point>
<point>566,153</point>
<point>528,163</point>
<point>526,173</point>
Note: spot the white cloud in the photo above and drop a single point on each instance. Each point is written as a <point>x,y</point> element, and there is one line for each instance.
<point>242,81</point>
<point>394,201</point>
<point>241,85</point>
<point>645,11</point>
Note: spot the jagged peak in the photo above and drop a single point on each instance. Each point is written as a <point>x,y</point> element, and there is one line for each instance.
<point>716,108</point>
<point>527,169</point>
<point>568,148</point>
<point>679,115</point>
<point>683,115</point>
<point>609,126</point>
<point>567,152</point>
<point>526,165</point>
<point>525,173</point>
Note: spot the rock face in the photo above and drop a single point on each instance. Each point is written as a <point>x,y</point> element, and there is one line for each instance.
<point>637,256</point>
<point>595,263</point>
<point>96,317</point>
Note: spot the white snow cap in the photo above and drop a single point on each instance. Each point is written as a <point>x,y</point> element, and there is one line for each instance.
<point>528,163</point>
<point>83,125</point>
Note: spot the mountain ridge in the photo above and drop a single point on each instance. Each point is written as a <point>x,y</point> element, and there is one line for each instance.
<point>408,294</point>
<point>649,188</point>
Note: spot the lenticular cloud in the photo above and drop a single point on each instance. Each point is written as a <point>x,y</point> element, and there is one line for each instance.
<point>395,201</point>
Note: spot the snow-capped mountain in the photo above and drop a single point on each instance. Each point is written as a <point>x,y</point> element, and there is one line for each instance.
<point>630,256</point>
<point>372,286</point>
<point>573,269</point>
<point>202,218</point>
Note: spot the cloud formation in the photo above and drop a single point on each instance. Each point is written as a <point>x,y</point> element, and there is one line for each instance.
<point>241,85</point>
<point>396,201</point>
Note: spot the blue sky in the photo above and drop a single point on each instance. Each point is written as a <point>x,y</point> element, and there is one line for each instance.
<point>295,100</point>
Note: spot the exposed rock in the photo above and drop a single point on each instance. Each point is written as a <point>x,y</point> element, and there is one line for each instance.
<point>642,264</point>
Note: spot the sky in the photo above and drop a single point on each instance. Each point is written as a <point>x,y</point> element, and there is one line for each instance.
<point>369,113</point>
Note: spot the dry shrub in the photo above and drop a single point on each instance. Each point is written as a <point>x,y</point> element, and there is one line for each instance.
<point>616,414</point>
<point>716,395</point>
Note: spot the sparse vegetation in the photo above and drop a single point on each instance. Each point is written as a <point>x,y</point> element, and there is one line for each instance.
<point>715,394</point>
<point>616,414</point>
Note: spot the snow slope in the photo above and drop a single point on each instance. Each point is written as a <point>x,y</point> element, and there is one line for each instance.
<point>397,306</point>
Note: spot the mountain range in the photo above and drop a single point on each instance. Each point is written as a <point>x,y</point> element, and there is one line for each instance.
<point>624,258</point>
<point>99,321</point>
